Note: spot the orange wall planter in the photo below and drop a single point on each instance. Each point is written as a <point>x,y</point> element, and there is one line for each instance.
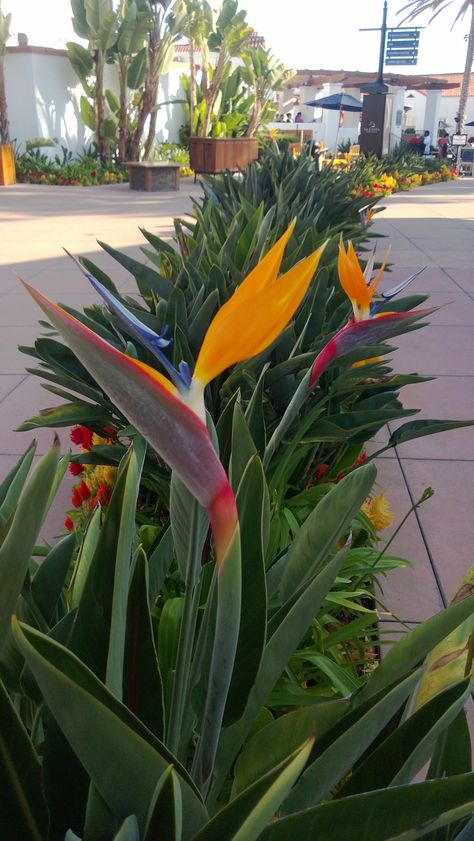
<point>215,154</point>
<point>7,165</point>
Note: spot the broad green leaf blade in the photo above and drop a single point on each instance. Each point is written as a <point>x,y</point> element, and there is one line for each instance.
<point>451,660</point>
<point>276,655</point>
<point>319,533</point>
<point>404,813</point>
<point>419,428</point>
<point>165,818</point>
<point>22,806</point>
<point>251,506</point>
<point>453,753</point>
<point>11,487</point>
<point>406,750</point>
<point>244,818</point>
<point>147,279</point>
<point>409,651</point>
<point>142,686</point>
<point>98,635</point>
<point>68,414</point>
<point>243,447</point>
<point>281,737</point>
<point>129,831</point>
<point>84,559</point>
<point>338,758</point>
<point>50,577</point>
<point>122,761</point>
<point>15,552</point>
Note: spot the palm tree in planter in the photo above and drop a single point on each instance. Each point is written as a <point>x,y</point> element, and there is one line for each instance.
<point>416,7</point>
<point>7,161</point>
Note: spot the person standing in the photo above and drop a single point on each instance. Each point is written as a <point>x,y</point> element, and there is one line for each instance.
<point>427,142</point>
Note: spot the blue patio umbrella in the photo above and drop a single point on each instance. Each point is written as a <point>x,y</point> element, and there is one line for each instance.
<point>337,102</point>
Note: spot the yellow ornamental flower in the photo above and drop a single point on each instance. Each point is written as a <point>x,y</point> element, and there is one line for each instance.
<point>358,285</point>
<point>378,510</point>
<point>97,440</point>
<point>109,474</point>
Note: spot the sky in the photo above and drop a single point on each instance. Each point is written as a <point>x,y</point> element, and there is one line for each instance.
<point>304,34</point>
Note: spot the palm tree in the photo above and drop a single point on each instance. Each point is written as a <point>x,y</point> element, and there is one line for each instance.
<point>416,7</point>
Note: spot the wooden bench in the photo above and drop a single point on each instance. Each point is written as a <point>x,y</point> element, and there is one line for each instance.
<point>153,175</point>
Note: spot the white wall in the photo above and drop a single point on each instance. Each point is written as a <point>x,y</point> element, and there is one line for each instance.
<point>43,95</point>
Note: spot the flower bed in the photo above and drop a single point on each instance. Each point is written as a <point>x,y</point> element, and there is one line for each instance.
<point>37,168</point>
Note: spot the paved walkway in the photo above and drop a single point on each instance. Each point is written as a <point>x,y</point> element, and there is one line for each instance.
<point>432,226</point>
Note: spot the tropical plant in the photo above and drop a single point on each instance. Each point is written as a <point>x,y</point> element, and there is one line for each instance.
<point>197,28</point>
<point>416,7</point>
<point>264,75</point>
<point>130,54</point>
<point>5,23</point>
<point>188,742</point>
<point>227,39</point>
<point>166,19</point>
<point>94,20</point>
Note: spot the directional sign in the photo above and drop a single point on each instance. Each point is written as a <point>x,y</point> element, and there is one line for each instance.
<point>402,46</point>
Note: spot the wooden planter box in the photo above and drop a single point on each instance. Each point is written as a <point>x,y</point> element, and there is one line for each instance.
<point>215,154</point>
<point>7,165</point>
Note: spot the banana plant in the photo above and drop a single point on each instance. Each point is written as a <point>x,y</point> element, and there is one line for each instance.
<point>96,21</point>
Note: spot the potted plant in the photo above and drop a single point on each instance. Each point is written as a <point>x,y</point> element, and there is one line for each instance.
<point>7,158</point>
<point>225,37</point>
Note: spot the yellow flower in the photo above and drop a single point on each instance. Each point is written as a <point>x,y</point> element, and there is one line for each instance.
<point>378,511</point>
<point>358,285</point>
<point>257,312</point>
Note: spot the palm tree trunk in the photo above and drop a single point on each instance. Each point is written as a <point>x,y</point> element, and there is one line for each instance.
<point>192,86</point>
<point>254,119</point>
<point>123,113</point>
<point>467,74</point>
<point>4,125</point>
<point>100,106</point>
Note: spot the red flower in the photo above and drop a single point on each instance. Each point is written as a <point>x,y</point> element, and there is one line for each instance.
<point>76,469</point>
<point>103,494</point>
<point>322,469</point>
<point>80,493</point>
<point>69,524</point>
<point>82,435</point>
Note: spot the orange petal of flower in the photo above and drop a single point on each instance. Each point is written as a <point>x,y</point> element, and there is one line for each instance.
<point>249,322</point>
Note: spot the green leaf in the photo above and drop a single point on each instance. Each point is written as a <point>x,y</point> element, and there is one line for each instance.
<point>244,818</point>
<point>404,813</point>
<point>243,447</point>
<point>276,655</point>
<point>165,818</point>
<point>409,651</point>
<point>129,831</point>
<point>255,415</point>
<point>84,559</point>
<point>281,737</point>
<point>87,113</point>
<point>251,506</point>
<point>123,759</point>
<point>11,487</point>
<point>49,579</point>
<point>66,415</point>
<point>81,60</point>
<point>147,279</point>
<point>142,687</point>
<point>22,805</point>
<point>452,754</point>
<point>406,750</point>
<point>420,428</point>
<point>136,71</point>
<point>318,535</point>
<point>338,758</point>
<point>16,550</point>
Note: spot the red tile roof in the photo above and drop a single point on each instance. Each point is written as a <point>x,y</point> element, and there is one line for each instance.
<point>455,78</point>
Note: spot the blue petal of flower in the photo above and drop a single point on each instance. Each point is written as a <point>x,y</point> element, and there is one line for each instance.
<point>151,340</point>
